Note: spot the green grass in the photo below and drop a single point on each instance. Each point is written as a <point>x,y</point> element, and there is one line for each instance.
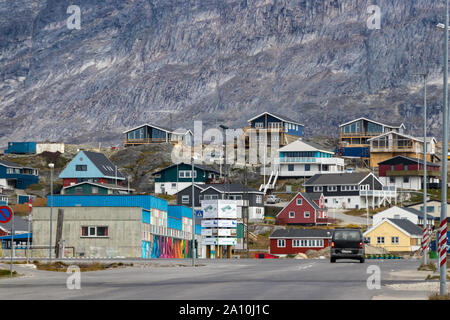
<point>59,266</point>
<point>6,273</point>
<point>427,267</point>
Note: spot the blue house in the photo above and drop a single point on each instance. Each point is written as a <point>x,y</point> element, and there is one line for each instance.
<point>277,127</point>
<point>15,176</point>
<point>92,167</point>
<point>148,133</point>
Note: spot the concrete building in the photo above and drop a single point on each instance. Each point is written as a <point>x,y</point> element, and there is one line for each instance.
<point>115,226</point>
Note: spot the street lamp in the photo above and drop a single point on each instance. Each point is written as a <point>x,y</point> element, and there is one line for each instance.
<point>443,225</point>
<point>51,166</point>
<point>425,224</point>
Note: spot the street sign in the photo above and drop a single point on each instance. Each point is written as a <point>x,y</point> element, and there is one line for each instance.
<point>199,213</point>
<point>6,214</point>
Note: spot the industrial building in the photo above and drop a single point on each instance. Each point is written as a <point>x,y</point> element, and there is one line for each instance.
<point>116,226</point>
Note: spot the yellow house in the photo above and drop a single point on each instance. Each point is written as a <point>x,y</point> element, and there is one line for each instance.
<point>395,235</point>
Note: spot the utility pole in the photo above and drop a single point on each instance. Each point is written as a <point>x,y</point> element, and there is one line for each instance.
<point>425,224</point>
<point>246,205</point>
<point>443,225</point>
<point>51,166</point>
<point>193,214</point>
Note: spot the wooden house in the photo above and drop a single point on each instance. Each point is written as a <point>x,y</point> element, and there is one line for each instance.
<point>391,144</point>
<point>14,176</point>
<point>304,209</point>
<point>148,133</point>
<point>275,127</point>
<point>293,241</point>
<point>354,136</point>
<point>407,173</point>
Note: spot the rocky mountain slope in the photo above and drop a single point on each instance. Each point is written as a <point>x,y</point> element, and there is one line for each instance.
<point>222,61</point>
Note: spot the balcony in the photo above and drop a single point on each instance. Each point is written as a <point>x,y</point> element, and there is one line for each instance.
<point>387,191</point>
<point>333,161</point>
<point>402,173</point>
<point>394,149</point>
<point>144,141</point>
<point>360,134</point>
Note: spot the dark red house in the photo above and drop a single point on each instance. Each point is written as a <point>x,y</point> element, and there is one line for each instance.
<point>304,209</point>
<point>293,241</point>
<point>407,173</point>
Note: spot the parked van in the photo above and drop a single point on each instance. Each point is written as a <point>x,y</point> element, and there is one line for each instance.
<point>347,244</point>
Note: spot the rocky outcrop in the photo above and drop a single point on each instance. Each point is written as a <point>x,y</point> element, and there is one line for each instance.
<point>222,61</point>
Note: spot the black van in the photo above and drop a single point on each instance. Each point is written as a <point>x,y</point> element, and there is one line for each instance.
<point>347,244</point>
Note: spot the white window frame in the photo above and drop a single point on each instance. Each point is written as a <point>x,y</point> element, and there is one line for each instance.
<point>306,214</point>
<point>183,199</point>
<point>291,216</point>
<point>318,189</point>
<point>380,240</point>
<point>281,243</point>
<point>397,240</point>
<point>301,201</point>
<point>332,188</point>
<point>258,198</point>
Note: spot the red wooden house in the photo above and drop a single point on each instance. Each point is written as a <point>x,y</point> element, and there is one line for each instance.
<point>304,209</point>
<point>293,241</point>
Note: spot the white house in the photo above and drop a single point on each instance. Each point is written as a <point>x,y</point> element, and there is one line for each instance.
<point>411,214</point>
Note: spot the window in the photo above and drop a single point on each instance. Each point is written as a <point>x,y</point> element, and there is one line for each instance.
<point>290,167</point>
<point>367,239</point>
<point>317,189</point>
<point>380,240</point>
<point>291,214</point>
<point>296,243</point>
<point>406,179</point>
<point>185,199</point>
<point>78,189</point>
<point>181,174</point>
<point>211,196</point>
<point>392,179</point>
<point>94,190</point>
<point>394,240</point>
<point>81,167</point>
<point>307,167</point>
<point>406,167</point>
<point>299,201</point>
<point>332,188</point>
<point>259,198</point>
<point>174,185</point>
<point>306,214</point>
<point>259,125</point>
<point>281,243</point>
<point>94,231</point>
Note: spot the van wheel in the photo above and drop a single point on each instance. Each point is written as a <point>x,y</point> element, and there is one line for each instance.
<point>332,260</point>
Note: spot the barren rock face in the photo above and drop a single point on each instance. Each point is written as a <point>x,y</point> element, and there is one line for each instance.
<point>222,61</point>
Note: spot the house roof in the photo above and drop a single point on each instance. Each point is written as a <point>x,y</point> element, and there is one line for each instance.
<point>391,125</point>
<point>301,233</point>
<point>401,134</point>
<point>300,145</point>
<point>12,165</point>
<point>280,117</point>
<point>403,225</point>
<point>104,185</point>
<point>337,178</point>
<point>309,197</point>
<point>399,159</point>
<point>419,213</point>
<point>197,166</point>
<point>230,187</point>
<point>103,164</point>
<point>150,125</point>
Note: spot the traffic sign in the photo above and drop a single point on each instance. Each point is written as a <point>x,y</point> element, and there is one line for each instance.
<point>6,214</point>
<point>199,213</point>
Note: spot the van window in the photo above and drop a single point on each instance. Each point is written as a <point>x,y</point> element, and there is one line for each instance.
<point>352,235</point>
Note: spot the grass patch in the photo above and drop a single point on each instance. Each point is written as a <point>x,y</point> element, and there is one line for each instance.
<point>436,296</point>
<point>6,273</point>
<point>59,266</point>
<point>435,277</point>
<point>427,267</point>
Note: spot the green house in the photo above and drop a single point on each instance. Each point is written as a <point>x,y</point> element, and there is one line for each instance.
<point>175,178</point>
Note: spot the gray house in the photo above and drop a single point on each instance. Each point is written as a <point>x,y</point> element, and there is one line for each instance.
<point>233,191</point>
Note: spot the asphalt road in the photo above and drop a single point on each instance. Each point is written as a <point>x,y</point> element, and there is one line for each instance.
<point>285,279</point>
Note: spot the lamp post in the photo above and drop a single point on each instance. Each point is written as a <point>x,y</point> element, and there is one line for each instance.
<point>443,225</point>
<point>193,213</point>
<point>425,224</point>
<point>51,166</point>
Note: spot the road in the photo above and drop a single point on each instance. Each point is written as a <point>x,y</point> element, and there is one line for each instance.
<point>285,279</point>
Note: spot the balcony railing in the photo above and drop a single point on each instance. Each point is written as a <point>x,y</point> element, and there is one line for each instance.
<point>394,149</point>
<point>336,161</point>
<point>145,140</point>
<point>363,133</point>
<point>390,173</point>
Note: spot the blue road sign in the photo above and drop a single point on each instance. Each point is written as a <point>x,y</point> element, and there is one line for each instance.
<point>5,214</point>
<point>199,213</point>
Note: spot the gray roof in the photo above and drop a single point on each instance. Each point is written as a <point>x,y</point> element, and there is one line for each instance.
<point>103,164</point>
<point>302,233</point>
<point>419,213</point>
<point>415,160</point>
<point>284,118</point>
<point>198,166</point>
<point>336,178</point>
<point>11,164</point>
<point>20,224</point>
<point>310,197</point>
<point>229,187</point>
<point>408,226</point>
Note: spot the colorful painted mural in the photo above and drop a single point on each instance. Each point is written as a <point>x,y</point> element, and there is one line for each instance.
<point>163,247</point>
